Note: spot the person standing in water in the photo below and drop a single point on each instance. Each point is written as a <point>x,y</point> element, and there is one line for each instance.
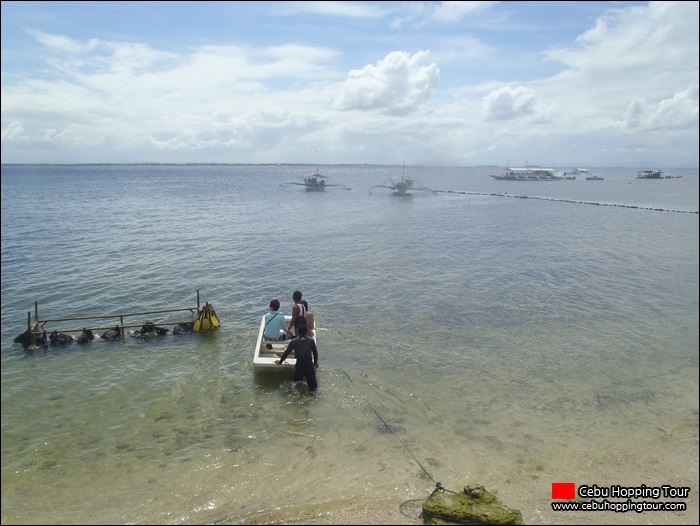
<point>306,354</point>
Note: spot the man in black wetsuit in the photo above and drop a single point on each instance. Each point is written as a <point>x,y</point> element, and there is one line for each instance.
<point>307,358</point>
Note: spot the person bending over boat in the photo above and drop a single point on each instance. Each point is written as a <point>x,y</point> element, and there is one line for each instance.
<point>275,326</point>
<point>310,319</point>
<point>306,353</point>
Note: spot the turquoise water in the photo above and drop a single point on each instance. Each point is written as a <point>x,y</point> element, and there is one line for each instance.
<point>511,334</point>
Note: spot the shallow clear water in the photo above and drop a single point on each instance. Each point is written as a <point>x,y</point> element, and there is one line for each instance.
<point>472,336</point>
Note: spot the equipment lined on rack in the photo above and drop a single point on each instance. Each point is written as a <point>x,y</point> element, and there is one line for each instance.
<point>206,319</point>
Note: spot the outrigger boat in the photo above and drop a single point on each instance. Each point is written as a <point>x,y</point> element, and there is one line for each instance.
<point>268,351</point>
<point>315,183</point>
<point>401,188</point>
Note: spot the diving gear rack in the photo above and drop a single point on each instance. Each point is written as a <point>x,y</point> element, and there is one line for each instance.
<point>39,325</point>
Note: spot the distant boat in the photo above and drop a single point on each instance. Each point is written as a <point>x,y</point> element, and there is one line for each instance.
<point>401,188</point>
<point>532,173</point>
<point>585,172</point>
<point>398,188</point>
<point>650,174</point>
<point>579,171</point>
<point>315,183</point>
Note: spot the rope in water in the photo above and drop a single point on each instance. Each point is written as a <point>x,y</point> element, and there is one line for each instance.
<point>438,485</point>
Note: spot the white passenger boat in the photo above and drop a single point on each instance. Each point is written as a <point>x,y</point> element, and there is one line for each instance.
<point>650,174</point>
<point>532,173</point>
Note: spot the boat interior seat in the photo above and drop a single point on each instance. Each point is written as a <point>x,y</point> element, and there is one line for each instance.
<point>272,346</point>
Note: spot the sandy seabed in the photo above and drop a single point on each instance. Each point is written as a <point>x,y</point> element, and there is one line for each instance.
<point>408,513</point>
<point>679,468</point>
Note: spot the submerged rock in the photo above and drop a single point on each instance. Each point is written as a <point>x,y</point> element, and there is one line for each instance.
<point>475,505</point>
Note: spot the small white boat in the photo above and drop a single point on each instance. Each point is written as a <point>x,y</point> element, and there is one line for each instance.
<point>267,351</point>
<point>594,178</point>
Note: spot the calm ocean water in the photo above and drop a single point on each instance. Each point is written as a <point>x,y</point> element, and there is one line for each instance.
<point>507,342</point>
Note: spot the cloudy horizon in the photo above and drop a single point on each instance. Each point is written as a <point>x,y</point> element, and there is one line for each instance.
<point>421,83</point>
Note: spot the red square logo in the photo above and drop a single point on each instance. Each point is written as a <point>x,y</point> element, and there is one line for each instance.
<point>563,490</point>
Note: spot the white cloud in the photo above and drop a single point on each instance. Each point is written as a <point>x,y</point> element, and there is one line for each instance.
<point>629,45</point>
<point>396,85</point>
<point>13,131</point>
<point>63,43</point>
<point>508,103</point>
<point>341,9</point>
<point>680,111</point>
<point>450,12</point>
<point>454,11</point>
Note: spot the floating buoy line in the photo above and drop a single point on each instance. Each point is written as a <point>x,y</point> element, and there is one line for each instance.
<point>574,201</point>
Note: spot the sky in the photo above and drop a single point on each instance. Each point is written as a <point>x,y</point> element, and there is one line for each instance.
<point>556,84</point>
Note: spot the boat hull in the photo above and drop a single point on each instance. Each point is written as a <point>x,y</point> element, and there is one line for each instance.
<point>650,174</point>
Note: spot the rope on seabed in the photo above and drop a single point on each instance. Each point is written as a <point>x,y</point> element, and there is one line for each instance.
<point>569,201</point>
<point>438,485</point>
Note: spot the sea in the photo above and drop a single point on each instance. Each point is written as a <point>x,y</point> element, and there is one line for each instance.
<point>506,334</point>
